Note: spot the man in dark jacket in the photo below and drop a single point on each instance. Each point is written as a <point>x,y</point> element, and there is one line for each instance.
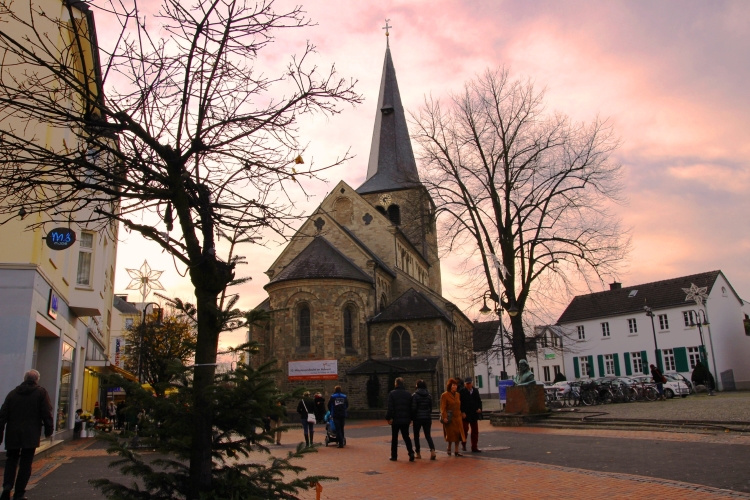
<point>399,418</point>
<point>25,410</point>
<point>471,411</point>
<point>702,376</point>
<point>338,405</point>
<point>659,380</point>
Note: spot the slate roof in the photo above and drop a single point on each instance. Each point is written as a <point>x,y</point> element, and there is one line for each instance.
<point>391,165</point>
<point>124,306</point>
<point>412,305</point>
<point>400,365</point>
<point>321,260</point>
<point>657,295</point>
<point>265,305</point>
<point>484,335</point>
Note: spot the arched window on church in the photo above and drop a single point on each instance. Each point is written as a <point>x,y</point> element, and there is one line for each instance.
<point>394,214</point>
<point>400,343</point>
<point>304,325</point>
<point>383,302</point>
<point>381,210</point>
<point>349,327</point>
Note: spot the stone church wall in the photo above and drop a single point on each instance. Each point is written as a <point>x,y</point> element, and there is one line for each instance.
<point>425,337</point>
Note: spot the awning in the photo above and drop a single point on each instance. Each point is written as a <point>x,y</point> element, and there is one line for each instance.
<point>104,368</point>
<point>421,364</point>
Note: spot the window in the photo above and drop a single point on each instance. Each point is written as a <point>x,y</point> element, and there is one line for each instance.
<point>394,214</point>
<point>584,362</point>
<point>605,329</point>
<point>689,318</point>
<point>479,381</point>
<point>383,302</point>
<point>663,322</point>
<point>348,328</point>
<point>694,356</point>
<point>400,343</point>
<point>304,325</point>
<point>128,323</point>
<point>632,326</point>
<point>637,362</point>
<point>85,252</point>
<point>669,365</point>
<point>556,370</point>
<point>581,333</point>
<point>632,293</point>
<point>609,364</point>
<point>546,373</point>
<point>381,210</point>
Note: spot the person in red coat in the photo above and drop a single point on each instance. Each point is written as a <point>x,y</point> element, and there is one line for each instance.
<point>26,409</point>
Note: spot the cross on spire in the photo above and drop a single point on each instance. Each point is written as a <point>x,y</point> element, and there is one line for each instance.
<point>386,28</point>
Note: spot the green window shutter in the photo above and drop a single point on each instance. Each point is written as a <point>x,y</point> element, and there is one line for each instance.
<point>681,359</point>
<point>479,381</point>
<point>617,364</point>
<point>644,360</point>
<point>600,360</point>
<point>591,367</point>
<point>576,369</point>
<point>659,363</point>
<point>626,360</point>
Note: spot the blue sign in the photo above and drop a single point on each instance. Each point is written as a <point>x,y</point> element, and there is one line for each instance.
<point>53,304</point>
<point>60,238</point>
<point>502,387</point>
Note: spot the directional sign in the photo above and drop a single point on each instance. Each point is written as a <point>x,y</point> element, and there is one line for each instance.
<point>60,238</point>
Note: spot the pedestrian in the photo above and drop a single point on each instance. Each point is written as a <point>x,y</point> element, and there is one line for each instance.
<point>660,380</point>
<point>338,405</point>
<point>471,410</point>
<point>450,416</point>
<point>97,411</point>
<point>398,416</point>
<point>26,409</point>
<point>78,423</point>
<point>120,414</point>
<point>421,408</point>
<point>112,411</point>
<point>277,420</point>
<point>319,404</point>
<point>702,376</point>
<point>305,409</point>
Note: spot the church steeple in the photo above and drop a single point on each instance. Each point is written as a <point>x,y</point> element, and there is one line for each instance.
<point>391,166</point>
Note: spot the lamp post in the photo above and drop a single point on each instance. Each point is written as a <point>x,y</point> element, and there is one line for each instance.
<point>650,314</point>
<point>143,332</point>
<point>695,320</point>
<point>498,309</point>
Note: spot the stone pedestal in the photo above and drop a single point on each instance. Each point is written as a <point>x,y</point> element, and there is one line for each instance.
<point>525,400</point>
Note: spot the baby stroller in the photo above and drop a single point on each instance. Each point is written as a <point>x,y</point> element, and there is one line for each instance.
<point>331,436</point>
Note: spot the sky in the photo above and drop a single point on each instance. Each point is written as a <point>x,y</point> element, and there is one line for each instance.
<point>670,76</point>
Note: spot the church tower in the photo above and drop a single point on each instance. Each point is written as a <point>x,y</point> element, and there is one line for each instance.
<point>393,186</point>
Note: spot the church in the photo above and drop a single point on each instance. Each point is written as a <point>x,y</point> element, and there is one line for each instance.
<point>355,297</point>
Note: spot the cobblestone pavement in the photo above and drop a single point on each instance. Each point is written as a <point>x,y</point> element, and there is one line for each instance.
<point>519,463</point>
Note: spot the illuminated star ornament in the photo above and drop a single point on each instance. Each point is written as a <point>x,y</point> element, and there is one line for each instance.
<point>698,294</point>
<point>144,279</point>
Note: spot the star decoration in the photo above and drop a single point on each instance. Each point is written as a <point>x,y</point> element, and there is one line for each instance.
<point>144,279</point>
<point>698,294</point>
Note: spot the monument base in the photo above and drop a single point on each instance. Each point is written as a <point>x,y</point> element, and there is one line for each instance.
<point>525,400</point>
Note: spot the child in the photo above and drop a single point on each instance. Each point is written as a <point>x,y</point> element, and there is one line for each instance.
<point>78,424</point>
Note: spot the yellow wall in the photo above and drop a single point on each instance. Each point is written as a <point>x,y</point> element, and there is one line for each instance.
<point>90,390</point>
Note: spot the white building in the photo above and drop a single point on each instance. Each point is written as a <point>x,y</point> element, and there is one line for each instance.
<point>611,334</point>
<point>544,353</point>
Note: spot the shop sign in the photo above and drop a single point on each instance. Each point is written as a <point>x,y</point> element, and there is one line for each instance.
<point>52,304</point>
<point>550,355</point>
<point>60,238</point>
<point>319,369</point>
<point>117,352</point>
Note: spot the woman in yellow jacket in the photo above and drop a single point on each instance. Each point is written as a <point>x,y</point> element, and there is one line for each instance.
<point>451,417</point>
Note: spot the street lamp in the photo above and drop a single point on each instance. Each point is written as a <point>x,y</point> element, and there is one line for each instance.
<point>650,314</point>
<point>498,309</point>
<point>143,332</point>
<point>695,320</point>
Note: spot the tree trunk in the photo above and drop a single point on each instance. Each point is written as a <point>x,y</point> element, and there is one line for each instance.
<point>519,338</point>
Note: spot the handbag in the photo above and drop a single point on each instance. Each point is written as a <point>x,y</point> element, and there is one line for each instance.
<point>447,420</point>
<point>310,416</point>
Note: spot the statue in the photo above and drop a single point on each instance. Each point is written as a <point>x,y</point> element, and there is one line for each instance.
<point>525,375</point>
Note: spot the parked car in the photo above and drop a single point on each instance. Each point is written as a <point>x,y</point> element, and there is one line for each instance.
<point>681,379</point>
<point>671,389</point>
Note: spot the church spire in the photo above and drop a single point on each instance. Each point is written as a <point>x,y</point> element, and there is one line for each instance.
<point>391,165</point>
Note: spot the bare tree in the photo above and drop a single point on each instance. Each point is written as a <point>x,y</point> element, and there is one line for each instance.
<point>172,131</point>
<point>527,187</point>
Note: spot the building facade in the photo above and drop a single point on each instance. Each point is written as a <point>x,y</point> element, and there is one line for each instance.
<point>360,284</point>
<point>610,332</point>
<point>55,305</point>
